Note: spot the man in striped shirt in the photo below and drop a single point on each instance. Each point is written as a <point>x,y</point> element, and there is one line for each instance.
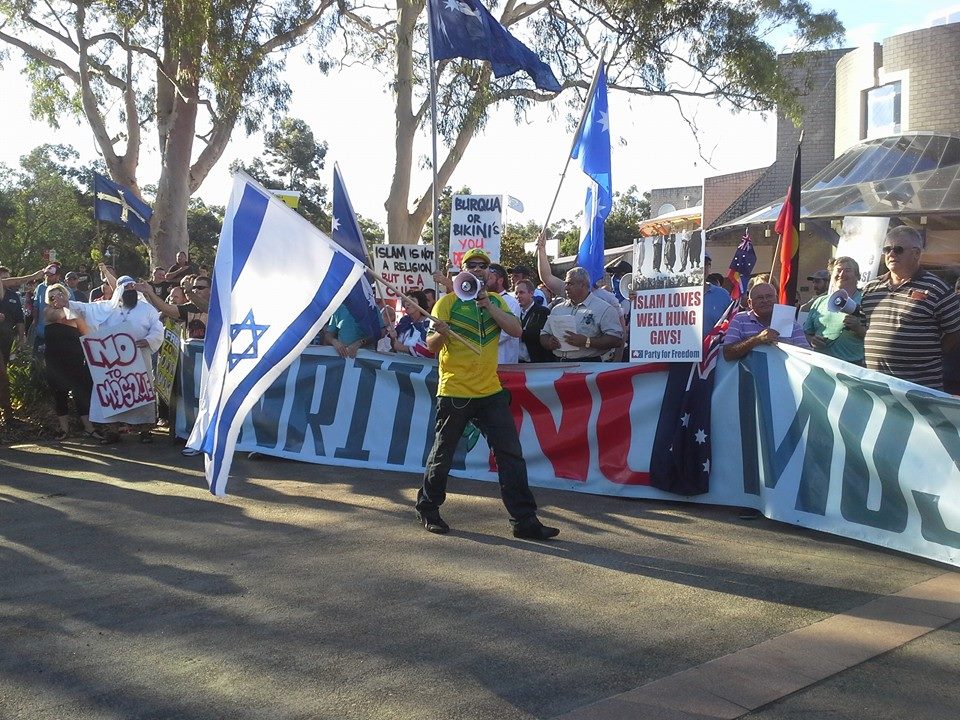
<point>912,316</point>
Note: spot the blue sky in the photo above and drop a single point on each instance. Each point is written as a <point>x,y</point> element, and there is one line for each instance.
<point>349,111</point>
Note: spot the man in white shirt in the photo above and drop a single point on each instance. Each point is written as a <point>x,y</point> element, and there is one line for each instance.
<point>509,348</point>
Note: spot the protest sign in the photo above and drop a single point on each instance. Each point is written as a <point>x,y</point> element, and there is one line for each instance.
<point>122,377</point>
<point>167,358</point>
<point>407,267</point>
<point>665,325</point>
<point>476,221</point>
<point>804,438</point>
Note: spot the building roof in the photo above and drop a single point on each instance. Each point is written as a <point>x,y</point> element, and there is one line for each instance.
<point>662,224</point>
<point>909,174</point>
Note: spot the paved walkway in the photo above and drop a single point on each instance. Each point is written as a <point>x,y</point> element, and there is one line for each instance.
<point>127,591</point>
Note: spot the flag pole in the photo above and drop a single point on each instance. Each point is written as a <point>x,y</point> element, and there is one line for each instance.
<point>576,136</point>
<point>433,136</point>
<point>400,293</point>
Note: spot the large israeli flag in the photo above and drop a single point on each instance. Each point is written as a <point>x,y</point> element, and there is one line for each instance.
<point>276,281</point>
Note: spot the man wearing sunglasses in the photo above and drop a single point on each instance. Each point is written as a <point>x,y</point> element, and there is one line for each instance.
<point>912,316</point>
<point>470,391</point>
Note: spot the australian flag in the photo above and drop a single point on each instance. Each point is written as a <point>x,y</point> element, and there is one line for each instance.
<point>592,149</point>
<point>741,267</point>
<point>252,336</point>
<point>116,204</point>
<point>346,233</point>
<point>687,471</point>
<point>466,29</point>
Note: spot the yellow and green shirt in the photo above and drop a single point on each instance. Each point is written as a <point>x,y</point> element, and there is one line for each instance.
<point>463,373</point>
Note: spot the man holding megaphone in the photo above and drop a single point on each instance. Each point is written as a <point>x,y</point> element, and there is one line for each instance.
<point>829,326</point>
<point>470,391</point>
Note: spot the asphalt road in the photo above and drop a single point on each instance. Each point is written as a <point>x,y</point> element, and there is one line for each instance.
<point>128,591</point>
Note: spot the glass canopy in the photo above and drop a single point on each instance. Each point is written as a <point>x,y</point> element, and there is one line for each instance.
<point>910,174</point>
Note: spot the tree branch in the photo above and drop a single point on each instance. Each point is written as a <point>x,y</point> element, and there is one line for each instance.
<point>40,56</point>
<point>297,31</point>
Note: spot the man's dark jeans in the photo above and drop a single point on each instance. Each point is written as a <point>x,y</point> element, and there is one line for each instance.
<point>492,417</point>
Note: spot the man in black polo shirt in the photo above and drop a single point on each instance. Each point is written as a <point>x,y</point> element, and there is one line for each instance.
<point>912,316</point>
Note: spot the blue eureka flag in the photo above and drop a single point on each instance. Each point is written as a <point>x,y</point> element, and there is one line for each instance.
<point>592,149</point>
<point>116,204</point>
<point>252,335</point>
<point>360,303</point>
<point>466,29</point>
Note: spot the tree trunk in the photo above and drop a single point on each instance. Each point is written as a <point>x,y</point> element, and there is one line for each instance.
<point>400,228</point>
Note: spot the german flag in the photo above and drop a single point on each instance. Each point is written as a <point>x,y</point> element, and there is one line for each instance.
<point>788,228</point>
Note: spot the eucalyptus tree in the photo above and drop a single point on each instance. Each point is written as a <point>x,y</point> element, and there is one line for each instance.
<point>189,72</point>
<point>719,50</point>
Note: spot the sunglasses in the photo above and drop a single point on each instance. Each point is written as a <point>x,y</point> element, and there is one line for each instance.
<point>477,264</point>
<point>895,249</point>
<point>201,287</point>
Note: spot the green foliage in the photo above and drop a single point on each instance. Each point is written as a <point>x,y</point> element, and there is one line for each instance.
<point>46,204</point>
<point>622,224</point>
<point>203,225</point>
<point>28,381</point>
<point>294,160</point>
<point>445,203</point>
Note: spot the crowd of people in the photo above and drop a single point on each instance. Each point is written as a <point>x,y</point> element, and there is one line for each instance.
<point>906,323</point>
<point>48,312</point>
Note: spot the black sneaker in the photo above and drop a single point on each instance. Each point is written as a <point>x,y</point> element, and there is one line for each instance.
<point>533,529</point>
<point>433,523</point>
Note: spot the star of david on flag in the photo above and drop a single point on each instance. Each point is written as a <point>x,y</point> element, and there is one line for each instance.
<point>466,29</point>
<point>592,148</point>
<point>253,336</point>
<point>238,336</point>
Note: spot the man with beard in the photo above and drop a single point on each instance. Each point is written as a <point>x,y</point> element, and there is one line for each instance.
<point>126,307</point>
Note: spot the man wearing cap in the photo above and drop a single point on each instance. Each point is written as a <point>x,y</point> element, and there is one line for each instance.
<point>51,276</point>
<point>72,281</point>
<point>912,316</point>
<point>821,281</point>
<point>470,391</point>
<point>126,306</point>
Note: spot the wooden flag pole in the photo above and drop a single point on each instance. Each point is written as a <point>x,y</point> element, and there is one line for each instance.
<point>773,262</point>
<point>473,346</point>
